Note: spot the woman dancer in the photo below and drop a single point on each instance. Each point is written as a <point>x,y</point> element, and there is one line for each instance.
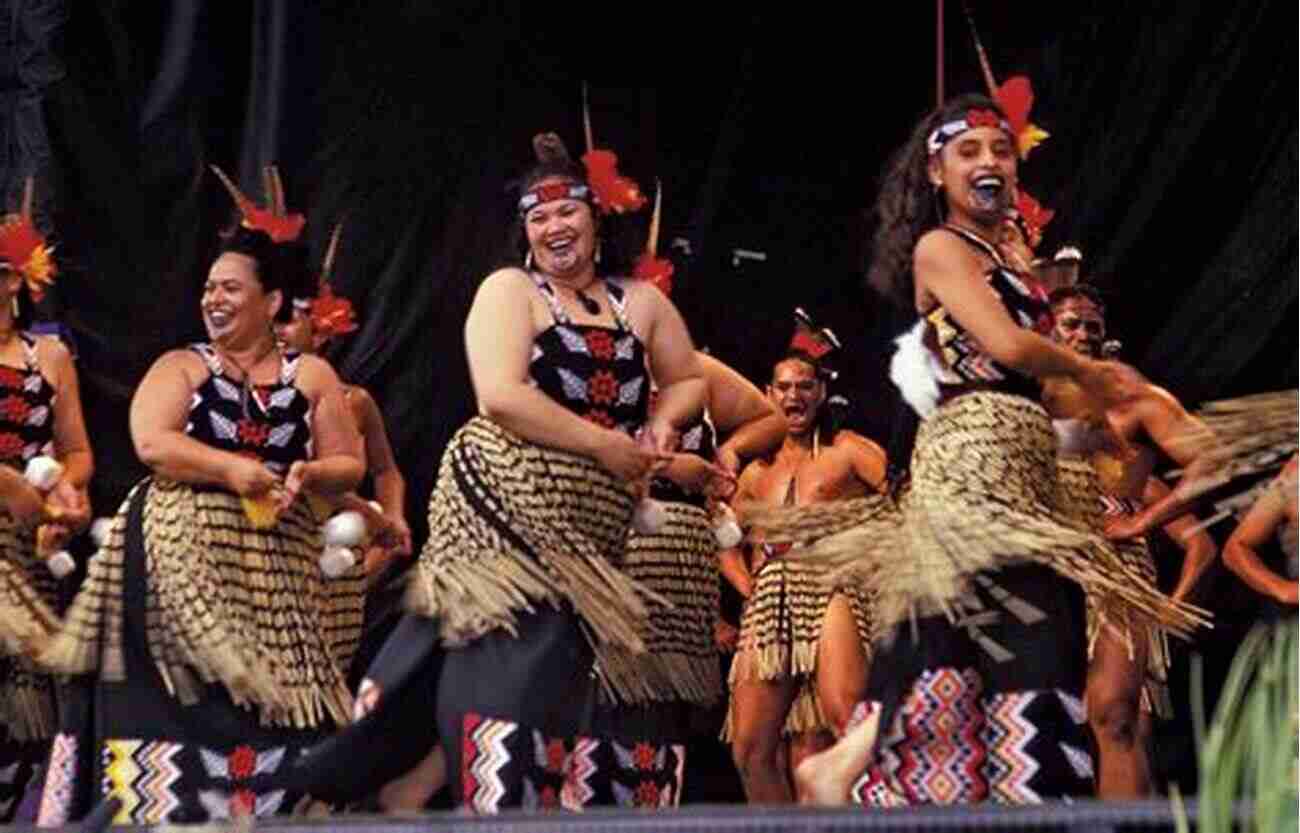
<point>40,414</point>
<point>531,508</point>
<point>977,684</point>
<point>220,647</point>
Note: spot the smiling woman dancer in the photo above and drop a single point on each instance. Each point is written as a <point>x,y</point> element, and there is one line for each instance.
<point>219,645</point>
<point>977,682</point>
<point>532,506</point>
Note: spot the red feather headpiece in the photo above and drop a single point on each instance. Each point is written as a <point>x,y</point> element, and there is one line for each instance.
<point>275,220</point>
<point>331,315</point>
<point>656,270</point>
<point>24,248</point>
<point>815,343</point>
<point>614,193</point>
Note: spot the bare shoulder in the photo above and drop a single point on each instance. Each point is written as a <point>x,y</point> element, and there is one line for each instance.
<point>53,357</point>
<point>315,374</point>
<point>504,282</point>
<point>854,443</point>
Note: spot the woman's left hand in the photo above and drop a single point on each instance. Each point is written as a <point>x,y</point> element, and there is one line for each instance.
<point>397,537</point>
<point>661,436</point>
<point>71,505</point>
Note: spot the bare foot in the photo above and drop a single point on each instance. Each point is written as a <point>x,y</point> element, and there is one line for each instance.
<point>824,779</point>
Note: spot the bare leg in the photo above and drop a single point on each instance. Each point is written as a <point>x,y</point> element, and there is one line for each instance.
<point>410,792</point>
<point>1114,692</point>
<point>841,664</point>
<point>758,711</point>
<point>826,778</point>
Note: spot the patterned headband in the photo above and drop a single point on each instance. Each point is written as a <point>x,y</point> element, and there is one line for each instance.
<point>974,118</point>
<point>551,191</point>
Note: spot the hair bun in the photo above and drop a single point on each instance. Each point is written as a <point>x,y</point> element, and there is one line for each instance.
<point>549,148</point>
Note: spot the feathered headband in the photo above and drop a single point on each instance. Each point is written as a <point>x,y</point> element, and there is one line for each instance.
<point>331,315</point>
<point>815,343</point>
<point>24,248</point>
<point>605,188</point>
<point>275,219</point>
<point>1016,98</point>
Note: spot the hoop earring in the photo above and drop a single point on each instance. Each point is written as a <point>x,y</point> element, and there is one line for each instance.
<point>13,306</point>
<point>817,444</point>
<point>596,257</point>
<point>528,261</point>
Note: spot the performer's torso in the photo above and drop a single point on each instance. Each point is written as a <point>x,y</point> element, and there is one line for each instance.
<point>269,422</point>
<point>797,478</point>
<point>596,371</point>
<point>26,408</point>
<point>1115,438</point>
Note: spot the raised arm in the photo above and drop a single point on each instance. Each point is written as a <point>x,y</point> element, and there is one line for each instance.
<point>1240,553</point>
<point>498,343</point>
<point>869,462</point>
<point>158,414</point>
<point>752,424</point>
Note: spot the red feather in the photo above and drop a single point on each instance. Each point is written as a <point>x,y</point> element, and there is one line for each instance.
<point>658,271</point>
<point>1016,98</point>
<point>614,193</point>
<point>1035,216</point>
<point>809,342</point>
<point>280,229</point>
<point>332,315</point>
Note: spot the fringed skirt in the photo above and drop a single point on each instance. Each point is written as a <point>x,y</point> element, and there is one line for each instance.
<point>27,694</point>
<point>220,652</point>
<point>1084,498</point>
<point>539,624</point>
<point>780,628</point>
<point>978,567</point>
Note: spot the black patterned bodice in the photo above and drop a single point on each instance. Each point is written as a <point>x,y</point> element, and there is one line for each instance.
<point>269,422</point>
<point>597,372</point>
<point>964,364</point>
<point>26,409</point>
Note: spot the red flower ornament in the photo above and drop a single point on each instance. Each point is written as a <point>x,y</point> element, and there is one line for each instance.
<point>602,388</point>
<point>980,117</point>
<point>647,795</point>
<point>600,343</point>
<point>14,408</point>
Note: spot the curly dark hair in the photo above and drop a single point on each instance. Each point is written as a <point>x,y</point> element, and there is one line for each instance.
<point>907,206</point>
<point>1080,290</point>
<point>282,266</point>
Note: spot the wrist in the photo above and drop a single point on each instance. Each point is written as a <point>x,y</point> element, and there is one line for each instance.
<point>594,438</point>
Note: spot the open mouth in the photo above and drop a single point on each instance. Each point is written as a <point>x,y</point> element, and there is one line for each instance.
<point>562,247</point>
<point>219,318</point>
<point>795,412</point>
<point>988,190</point>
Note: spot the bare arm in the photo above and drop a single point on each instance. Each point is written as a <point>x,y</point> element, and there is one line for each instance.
<point>1241,555</point>
<point>337,466</point>
<point>71,444</point>
<point>731,562</point>
<point>740,409</point>
<point>869,463</point>
<point>1198,547</point>
<point>390,487</point>
<point>1186,440</point>
<point>673,363</point>
<point>158,414</point>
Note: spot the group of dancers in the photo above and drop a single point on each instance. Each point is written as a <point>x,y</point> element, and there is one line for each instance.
<point>978,623</point>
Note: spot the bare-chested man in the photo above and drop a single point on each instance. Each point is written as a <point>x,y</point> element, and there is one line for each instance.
<point>1121,443</point>
<point>801,663</point>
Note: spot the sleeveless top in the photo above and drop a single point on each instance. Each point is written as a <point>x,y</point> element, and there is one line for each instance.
<point>26,409</point>
<point>699,439</point>
<point>964,364</point>
<point>271,423</point>
<point>597,372</point>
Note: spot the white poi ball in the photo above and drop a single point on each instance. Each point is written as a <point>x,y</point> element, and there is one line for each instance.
<point>100,529</point>
<point>726,530</point>
<point>43,472</point>
<point>649,516</point>
<point>346,529</point>
<point>336,561</point>
<point>60,564</point>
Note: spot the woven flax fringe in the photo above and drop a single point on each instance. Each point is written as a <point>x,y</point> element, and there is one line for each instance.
<point>27,622</point>
<point>225,603</point>
<point>780,630</point>
<point>984,494</point>
<point>678,564</point>
<point>1081,498</point>
<point>513,524</point>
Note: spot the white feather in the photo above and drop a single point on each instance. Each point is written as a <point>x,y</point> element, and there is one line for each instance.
<point>912,371</point>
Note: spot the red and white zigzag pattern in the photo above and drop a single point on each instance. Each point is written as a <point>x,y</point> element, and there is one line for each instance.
<point>1008,734</point>
<point>577,792</point>
<point>485,756</point>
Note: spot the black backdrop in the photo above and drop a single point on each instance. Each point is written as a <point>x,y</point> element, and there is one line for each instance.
<point>1172,164</point>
